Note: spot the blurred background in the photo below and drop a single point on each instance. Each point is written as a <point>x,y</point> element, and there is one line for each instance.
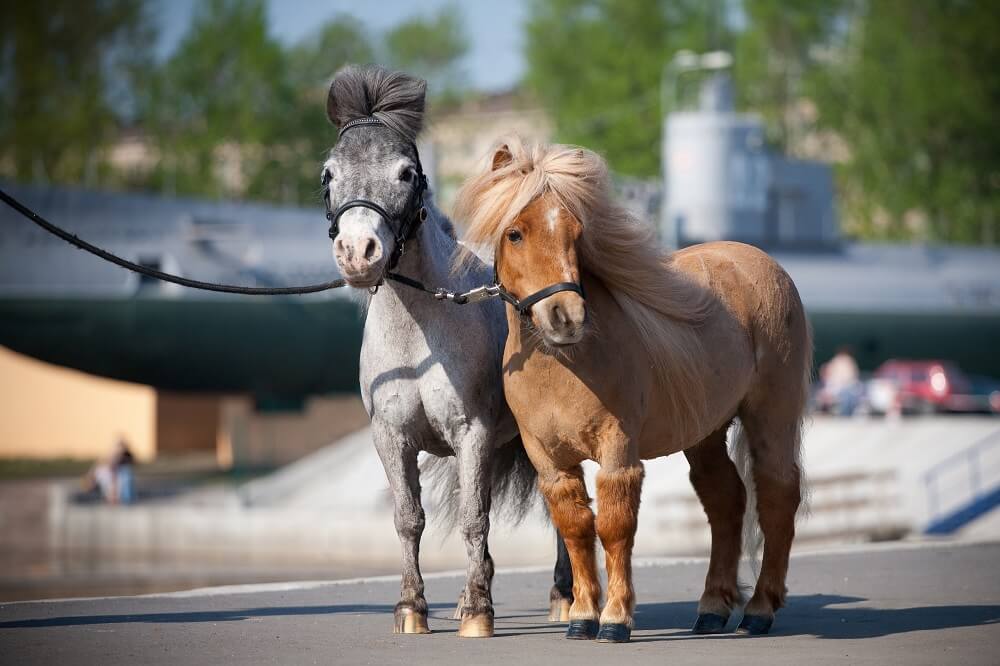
<point>153,438</point>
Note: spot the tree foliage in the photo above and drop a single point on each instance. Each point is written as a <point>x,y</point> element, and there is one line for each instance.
<point>915,96</point>
<point>68,76</point>
<point>231,112</point>
<point>910,87</point>
<point>430,47</point>
<point>596,65</point>
<point>774,57</point>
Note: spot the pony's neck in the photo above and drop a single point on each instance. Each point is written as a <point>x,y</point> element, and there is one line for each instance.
<point>427,257</point>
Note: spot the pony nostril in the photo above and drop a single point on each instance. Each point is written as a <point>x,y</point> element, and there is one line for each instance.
<point>369,249</point>
<point>559,316</point>
<point>338,246</point>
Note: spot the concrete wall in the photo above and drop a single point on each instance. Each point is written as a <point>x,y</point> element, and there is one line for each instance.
<point>51,412</point>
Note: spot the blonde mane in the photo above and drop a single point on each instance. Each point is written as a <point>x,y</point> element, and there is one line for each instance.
<point>664,306</point>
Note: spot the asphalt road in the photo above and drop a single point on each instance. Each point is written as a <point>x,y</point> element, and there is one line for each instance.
<point>926,604</point>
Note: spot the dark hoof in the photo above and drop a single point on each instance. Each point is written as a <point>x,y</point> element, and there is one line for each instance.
<point>710,623</point>
<point>614,633</point>
<point>582,630</point>
<point>755,625</point>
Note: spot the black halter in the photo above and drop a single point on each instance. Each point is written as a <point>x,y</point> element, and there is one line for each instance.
<point>413,215</point>
<point>523,305</point>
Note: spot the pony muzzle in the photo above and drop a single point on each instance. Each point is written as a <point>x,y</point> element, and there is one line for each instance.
<point>560,318</point>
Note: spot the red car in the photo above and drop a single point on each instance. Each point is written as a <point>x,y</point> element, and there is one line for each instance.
<point>938,386</point>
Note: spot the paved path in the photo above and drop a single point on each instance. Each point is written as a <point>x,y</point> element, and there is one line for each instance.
<point>933,604</point>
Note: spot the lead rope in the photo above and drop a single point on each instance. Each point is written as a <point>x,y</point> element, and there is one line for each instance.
<point>441,294</point>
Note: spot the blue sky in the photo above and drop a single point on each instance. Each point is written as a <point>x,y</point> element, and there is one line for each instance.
<point>494,61</point>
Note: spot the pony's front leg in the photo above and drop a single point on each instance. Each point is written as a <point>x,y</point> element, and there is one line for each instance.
<point>569,505</point>
<point>399,458</point>
<point>475,459</point>
<point>618,491</point>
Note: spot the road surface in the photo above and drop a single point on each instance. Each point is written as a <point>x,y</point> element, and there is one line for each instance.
<point>903,603</point>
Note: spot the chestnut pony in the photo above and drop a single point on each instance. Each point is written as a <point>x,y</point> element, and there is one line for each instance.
<point>662,354</point>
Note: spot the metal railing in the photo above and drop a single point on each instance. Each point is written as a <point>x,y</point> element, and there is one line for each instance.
<point>982,485</point>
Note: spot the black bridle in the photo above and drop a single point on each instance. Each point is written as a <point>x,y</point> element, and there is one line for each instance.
<point>413,215</point>
<point>523,305</point>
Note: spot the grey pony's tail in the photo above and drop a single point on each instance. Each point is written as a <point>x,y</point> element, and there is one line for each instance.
<point>513,482</point>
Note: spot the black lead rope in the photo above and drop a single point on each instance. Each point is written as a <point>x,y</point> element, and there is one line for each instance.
<point>495,290</point>
<point>78,242</point>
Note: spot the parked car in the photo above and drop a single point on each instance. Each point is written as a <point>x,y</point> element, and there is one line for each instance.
<point>927,387</point>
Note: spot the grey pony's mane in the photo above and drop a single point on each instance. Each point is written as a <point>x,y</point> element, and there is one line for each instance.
<point>395,98</point>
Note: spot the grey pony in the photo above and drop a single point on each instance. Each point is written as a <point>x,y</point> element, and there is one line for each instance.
<point>430,370</point>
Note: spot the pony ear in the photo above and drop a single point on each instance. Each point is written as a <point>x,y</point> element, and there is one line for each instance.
<point>502,157</point>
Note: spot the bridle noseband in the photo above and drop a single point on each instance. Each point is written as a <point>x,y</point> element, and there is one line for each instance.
<point>523,305</point>
<point>413,216</point>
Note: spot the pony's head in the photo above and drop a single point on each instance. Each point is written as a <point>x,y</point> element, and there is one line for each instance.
<point>532,203</point>
<point>375,161</point>
<point>550,214</point>
<point>536,250</point>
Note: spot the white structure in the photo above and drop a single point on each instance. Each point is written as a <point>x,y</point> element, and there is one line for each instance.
<point>722,183</point>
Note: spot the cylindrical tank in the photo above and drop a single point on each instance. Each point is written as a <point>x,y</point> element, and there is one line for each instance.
<point>717,177</point>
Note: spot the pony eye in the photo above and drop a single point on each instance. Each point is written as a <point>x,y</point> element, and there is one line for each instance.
<point>326,177</point>
<point>514,236</point>
<point>406,175</point>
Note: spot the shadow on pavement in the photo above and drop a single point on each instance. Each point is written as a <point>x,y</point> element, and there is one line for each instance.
<point>207,616</point>
<point>819,615</point>
<point>816,615</point>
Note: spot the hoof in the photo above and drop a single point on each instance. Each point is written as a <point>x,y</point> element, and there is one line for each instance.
<point>409,621</point>
<point>755,625</point>
<point>710,623</point>
<point>476,626</point>
<point>559,610</point>
<point>614,633</point>
<point>582,630</point>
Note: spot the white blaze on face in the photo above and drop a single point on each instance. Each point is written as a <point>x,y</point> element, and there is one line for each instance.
<point>553,217</point>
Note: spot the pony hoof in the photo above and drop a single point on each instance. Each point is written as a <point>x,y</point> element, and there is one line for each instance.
<point>614,633</point>
<point>476,626</point>
<point>409,621</point>
<point>559,610</point>
<point>582,630</point>
<point>755,625</point>
<point>710,623</point>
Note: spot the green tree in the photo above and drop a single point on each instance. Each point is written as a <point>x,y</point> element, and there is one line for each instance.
<point>915,95</point>
<point>223,90</point>
<point>342,40</point>
<point>775,56</point>
<point>68,73</point>
<point>311,66</point>
<point>432,48</point>
<point>596,66</point>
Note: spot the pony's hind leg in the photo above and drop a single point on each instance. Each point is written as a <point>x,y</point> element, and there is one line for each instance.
<point>561,595</point>
<point>773,449</point>
<point>474,458</point>
<point>569,506</point>
<point>723,497</point>
<point>618,491</point>
<point>400,462</point>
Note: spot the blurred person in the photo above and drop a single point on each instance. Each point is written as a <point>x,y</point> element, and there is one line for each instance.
<point>113,478</point>
<point>122,463</point>
<point>841,383</point>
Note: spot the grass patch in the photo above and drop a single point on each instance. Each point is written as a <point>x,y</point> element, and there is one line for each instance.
<point>30,468</point>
